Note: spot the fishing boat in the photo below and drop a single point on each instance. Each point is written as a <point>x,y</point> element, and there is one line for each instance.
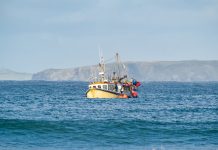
<point>116,86</point>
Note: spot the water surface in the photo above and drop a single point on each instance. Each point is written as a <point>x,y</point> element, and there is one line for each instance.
<point>56,115</point>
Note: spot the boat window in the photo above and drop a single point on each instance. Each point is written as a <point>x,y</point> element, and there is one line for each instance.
<point>99,86</point>
<point>105,87</point>
<point>111,87</point>
<point>126,88</point>
<point>94,87</point>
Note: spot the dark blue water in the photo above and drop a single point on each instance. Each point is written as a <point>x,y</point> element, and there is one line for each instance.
<point>56,115</point>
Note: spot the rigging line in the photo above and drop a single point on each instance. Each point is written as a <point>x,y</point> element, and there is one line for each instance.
<point>108,60</point>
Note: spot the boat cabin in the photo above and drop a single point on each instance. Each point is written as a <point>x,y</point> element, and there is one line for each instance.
<point>103,86</point>
<point>111,87</point>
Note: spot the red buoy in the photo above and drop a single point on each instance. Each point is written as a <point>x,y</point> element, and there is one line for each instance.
<point>138,84</point>
<point>134,94</point>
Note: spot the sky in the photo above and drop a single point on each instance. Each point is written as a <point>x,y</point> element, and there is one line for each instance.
<point>41,34</point>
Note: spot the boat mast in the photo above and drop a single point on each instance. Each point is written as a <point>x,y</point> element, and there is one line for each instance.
<point>101,67</point>
<point>121,68</point>
<point>118,64</point>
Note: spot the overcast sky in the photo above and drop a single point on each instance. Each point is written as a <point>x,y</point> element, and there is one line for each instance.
<point>41,34</point>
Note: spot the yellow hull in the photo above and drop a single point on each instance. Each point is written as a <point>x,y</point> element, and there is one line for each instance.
<point>98,93</point>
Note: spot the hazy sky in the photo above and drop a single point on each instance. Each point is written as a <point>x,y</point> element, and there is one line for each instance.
<point>41,34</point>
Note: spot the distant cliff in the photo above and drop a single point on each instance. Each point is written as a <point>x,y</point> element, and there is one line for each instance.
<point>6,74</point>
<point>182,71</point>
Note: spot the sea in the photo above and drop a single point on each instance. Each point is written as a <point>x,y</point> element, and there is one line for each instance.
<point>42,115</point>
